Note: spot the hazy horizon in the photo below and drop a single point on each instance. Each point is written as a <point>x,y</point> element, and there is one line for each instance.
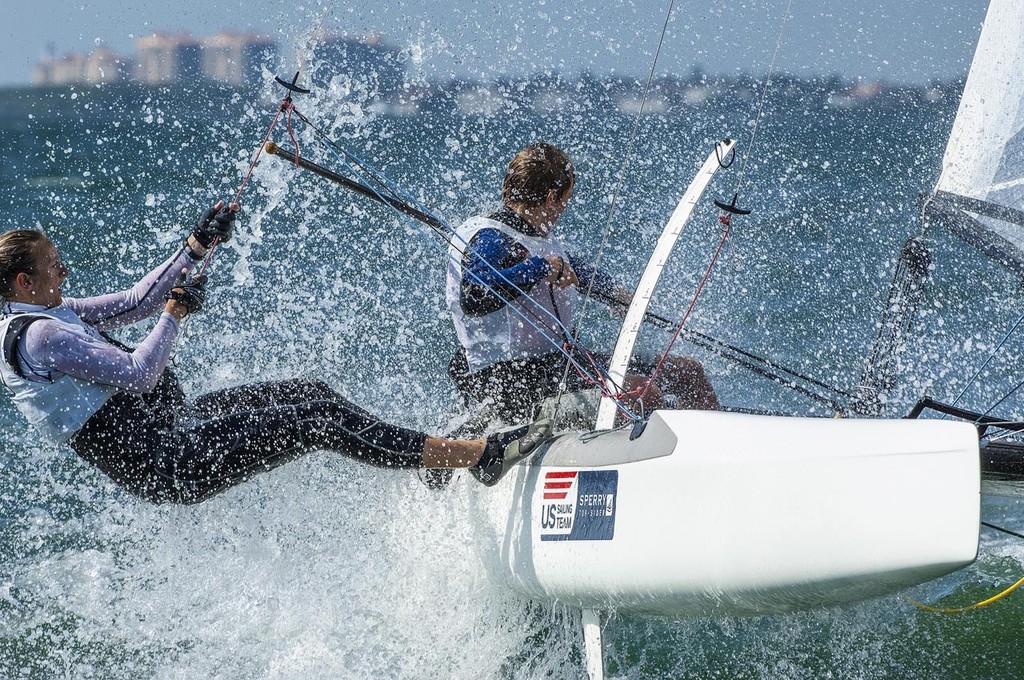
<point>911,42</point>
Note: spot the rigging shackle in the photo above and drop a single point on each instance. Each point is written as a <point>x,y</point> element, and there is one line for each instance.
<point>730,209</point>
<point>291,86</point>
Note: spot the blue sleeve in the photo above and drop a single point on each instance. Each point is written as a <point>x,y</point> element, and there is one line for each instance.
<point>603,281</point>
<point>495,271</point>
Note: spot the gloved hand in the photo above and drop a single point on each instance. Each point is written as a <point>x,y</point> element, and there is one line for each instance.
<point>217,223</point>
<point>191,295</point>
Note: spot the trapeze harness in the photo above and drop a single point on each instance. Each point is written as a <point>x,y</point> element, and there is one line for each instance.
<point>124,411</point>
<point>503,358</point>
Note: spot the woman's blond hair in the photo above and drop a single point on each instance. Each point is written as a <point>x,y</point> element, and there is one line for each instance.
<point>17,255</point>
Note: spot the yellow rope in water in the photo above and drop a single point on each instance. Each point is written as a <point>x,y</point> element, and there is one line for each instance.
<point>958,610</point>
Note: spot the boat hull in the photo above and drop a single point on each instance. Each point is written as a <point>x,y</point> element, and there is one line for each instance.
<point>726,513</point>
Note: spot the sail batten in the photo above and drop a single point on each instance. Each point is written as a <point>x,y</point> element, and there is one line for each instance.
<point>984,158</point>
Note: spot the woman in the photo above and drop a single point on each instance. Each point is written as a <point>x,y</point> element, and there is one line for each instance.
<point>124,412</point>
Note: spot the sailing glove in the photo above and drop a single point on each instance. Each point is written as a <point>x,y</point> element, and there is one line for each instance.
<point>191,294</point>
<point>218,223</point>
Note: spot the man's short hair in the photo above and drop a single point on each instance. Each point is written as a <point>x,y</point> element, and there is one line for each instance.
<point>534,172</point>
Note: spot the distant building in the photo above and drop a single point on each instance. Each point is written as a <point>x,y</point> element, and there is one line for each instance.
<point>367,57</point>
<point>100,66</point>
<point>164,59</point>
<point>236,59</point>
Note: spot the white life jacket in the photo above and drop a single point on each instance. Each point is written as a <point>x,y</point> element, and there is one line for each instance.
<point>518,330</point>
<point>55,403</point>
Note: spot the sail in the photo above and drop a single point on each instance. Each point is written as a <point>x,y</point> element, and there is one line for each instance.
<point>981,187</point>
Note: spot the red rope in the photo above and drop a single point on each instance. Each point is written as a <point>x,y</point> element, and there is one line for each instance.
<point>726,220</point>
<point>286,105</point>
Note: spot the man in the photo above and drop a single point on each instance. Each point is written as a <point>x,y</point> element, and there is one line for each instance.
<point>121,409</point>
<point>512,290</point>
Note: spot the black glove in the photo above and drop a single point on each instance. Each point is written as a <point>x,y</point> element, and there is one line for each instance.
<point>217,223</point>
<point>192,294</point>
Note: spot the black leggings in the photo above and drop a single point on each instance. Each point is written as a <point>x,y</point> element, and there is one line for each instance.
<point>164,455</point>
<point>514,386</point>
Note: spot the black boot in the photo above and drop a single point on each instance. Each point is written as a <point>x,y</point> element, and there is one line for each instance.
<point>505,449</point>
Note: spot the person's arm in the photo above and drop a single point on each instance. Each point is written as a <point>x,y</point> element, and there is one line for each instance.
<point>604,285</point>
<point>69,350</point>
<point>497,270</point>
<point>146,296</point>
<point>141,300</point>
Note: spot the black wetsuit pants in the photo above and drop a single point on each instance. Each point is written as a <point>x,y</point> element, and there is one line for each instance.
<point>165,450</point>
<point>514,386</point>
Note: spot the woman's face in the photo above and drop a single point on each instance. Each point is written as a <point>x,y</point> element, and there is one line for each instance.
<point>46,278</point>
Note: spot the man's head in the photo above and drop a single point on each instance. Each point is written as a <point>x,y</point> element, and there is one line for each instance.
<point>30,269</point>
<point>538,184</point>
<point>534,173</point>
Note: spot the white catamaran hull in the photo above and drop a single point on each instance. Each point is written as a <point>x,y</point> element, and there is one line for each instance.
<point>711,512</point>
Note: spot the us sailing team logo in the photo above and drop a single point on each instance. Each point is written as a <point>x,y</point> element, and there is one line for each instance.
<point>576,505</point>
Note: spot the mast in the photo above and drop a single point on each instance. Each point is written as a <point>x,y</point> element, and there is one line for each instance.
<point>645,290</point>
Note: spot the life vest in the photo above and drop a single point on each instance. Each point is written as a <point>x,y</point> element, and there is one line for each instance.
<point>517,330</point>
<point>55,403</point>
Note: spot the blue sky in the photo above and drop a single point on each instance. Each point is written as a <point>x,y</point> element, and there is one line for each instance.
<point>902,41</point>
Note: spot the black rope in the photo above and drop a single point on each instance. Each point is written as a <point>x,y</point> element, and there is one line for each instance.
<point>766,368</point>
<point>1005,531</point>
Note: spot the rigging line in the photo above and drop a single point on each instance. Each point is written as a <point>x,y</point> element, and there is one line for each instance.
<point>315,35</point>
<point>960,610</point>
<point>606,377</point>
<point>606,232</point>
<point>788,383</point>
<point>689,310</point>
<point>991,356</point>
<point>441,232</point>
<point>1005,531</point>
<point>1006,433</point>
<point>440,226</point>
<point>373,172</point>
<point>567,340</point>
<point>764,96</point>
<point>1001,400</point>
<point>286,105</point>
<point>764,367</point>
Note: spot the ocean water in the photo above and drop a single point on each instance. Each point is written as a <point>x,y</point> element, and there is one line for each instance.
<point>326,568</point>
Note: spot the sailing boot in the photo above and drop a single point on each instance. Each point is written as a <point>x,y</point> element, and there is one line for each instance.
<point>506,448</point>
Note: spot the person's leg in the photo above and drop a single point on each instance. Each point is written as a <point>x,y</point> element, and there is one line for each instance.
<point>439,452</point>
<point>516,386</point>
<point>124,439</point>
<point>196,461</point>
<point>264,394</point>
<point>686,379</point>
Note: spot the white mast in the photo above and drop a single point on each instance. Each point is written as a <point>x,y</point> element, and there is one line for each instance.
<point>645,290</point>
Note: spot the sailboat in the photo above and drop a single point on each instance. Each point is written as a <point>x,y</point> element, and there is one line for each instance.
<point>728,513</point>
<point>719,513</point>
<point>732,513</point>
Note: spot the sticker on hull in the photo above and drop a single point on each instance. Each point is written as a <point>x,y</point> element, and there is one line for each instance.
<point>577,505</point>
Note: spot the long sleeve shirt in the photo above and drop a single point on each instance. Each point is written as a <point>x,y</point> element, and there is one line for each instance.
<point>52,346</point>
<point>497,270</point>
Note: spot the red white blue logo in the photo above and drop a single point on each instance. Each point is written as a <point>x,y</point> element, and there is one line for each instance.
<point>576,505</point>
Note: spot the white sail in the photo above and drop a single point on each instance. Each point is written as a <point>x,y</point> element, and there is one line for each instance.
<point>984,159</point>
